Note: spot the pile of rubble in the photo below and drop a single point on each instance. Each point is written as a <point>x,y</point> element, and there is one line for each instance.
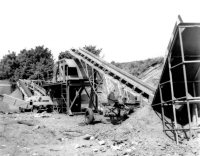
<point>57,134</point>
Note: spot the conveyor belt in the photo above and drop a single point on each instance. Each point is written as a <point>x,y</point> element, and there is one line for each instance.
<point>24,88</point>
<point>133,83</point>
<point>31,84</point>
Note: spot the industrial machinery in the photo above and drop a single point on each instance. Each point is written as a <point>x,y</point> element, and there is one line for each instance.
<point>118,109</point>
<point>177,97</point>
<point>35,95</point>
<point>127,84</point>
<point>130,83</point>
<point>70,87</point>
<point>77,81</point>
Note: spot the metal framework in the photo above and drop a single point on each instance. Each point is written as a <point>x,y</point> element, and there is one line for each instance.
<point>93,70</point>
<point>130,83</point>
<point>67,91</point>
<point>178,94</point>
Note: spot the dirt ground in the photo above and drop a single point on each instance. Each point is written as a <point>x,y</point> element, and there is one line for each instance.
<point>45,134</point>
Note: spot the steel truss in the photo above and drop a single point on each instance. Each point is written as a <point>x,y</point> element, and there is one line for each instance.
<point>179,92</point>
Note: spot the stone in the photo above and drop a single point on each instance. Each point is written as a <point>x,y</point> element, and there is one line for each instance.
<point>92,138</point>
<point>84,145</point>
<point>133,148</point>
<point>102,149</point>
<point>87,137</point>
<point>77,146</point>
<point>134,143</point>
<point>129,150</point>
<point>116,147</point>
<point>95,150</point>
<point>61,139</point>
<point>102,142</point>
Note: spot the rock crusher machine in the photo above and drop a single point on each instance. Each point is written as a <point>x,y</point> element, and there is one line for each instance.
<point>77,81</point>
<point>71,90</point>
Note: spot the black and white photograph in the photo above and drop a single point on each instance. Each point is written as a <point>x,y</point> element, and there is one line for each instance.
<point>99,78</point>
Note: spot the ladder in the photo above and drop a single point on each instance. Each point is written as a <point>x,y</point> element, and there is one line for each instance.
<point>64,100</point>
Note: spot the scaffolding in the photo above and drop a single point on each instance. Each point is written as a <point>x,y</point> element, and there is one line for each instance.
<point>177,98</point>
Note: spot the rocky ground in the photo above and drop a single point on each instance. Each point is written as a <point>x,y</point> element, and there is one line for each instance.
<point>43,134</point>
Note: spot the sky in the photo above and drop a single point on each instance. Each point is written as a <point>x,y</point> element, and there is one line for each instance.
<point>126,30</point>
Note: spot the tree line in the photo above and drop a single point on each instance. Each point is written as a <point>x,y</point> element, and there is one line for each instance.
<point>34,63</point>
<point>37,63</point>
<point>136,68</point>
